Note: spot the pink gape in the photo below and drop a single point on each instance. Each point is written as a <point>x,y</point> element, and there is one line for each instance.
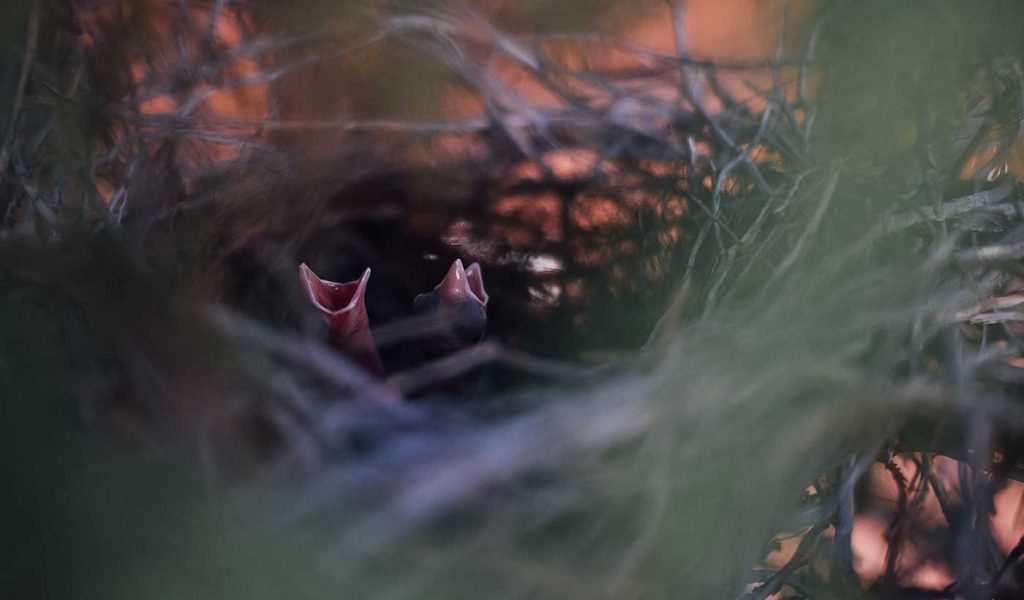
<point>463,284</point>
<point>343,305</point>
<point>460,300</point>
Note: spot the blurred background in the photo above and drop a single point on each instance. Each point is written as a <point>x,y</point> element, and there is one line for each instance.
<point>754,270</point>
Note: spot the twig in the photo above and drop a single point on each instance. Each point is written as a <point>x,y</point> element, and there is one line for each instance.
<point>812,225</point>
<point>331,366</point>
<point>445,368</point>
<point>895,532</point>
<point>1015,555</point>
<point>32,37</point>
<point>844,520</point>
<point>992,253</point>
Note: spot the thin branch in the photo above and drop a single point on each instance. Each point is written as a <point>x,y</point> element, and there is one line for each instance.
<point>27,60</point>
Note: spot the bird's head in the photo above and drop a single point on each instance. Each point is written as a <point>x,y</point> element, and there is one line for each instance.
<point>460,302</point>
<point>343,306</point>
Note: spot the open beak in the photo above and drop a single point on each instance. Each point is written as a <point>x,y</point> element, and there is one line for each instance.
<point>343,305</point>
<point>340,303</point>
<point>463,284</point>
<point>475,277</point>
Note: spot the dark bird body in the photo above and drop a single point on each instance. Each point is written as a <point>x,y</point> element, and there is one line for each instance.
<point>459,303</point>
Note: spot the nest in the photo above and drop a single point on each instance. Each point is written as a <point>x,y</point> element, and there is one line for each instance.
<point>741,311</point>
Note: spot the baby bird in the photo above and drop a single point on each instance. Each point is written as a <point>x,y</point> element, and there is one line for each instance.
<point>460,303</point>
<point>343,305</point>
